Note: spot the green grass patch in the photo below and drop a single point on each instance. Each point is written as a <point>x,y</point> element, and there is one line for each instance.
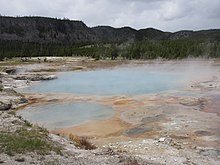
<point>27,139</point>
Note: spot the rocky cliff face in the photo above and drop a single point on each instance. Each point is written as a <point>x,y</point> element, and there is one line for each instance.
<point>50,30</point>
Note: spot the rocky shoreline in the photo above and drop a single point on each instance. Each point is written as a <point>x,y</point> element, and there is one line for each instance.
<point>10,124</point>
<point>69,153</point>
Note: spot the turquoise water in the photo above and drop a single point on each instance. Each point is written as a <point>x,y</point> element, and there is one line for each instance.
<point>54,116</point>
<point>126,81</point>
<point>105,82</point>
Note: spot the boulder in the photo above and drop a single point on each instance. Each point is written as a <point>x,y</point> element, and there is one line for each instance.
<point>5,106</point>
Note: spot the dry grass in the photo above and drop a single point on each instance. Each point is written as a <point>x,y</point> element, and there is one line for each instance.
<point>122,102</point>
<point>129,161</point>
<point>82,142</point>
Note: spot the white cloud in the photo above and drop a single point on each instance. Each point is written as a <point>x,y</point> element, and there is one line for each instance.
<point>168,15</point>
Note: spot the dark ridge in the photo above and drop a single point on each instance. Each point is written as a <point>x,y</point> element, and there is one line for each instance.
<point>42,36</point>
<point>212,34</point>
<point>64,31</point>
<point>152,34</point>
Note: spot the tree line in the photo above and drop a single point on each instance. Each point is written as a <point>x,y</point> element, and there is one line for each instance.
<point>151,49</point>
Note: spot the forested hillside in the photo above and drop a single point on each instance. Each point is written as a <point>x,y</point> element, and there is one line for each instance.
<point>40,36</point>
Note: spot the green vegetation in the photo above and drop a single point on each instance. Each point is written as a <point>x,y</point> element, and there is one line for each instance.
<point>41,36</point>
<point>173,49</point>
<point>151,49</point>
<point>26,139</point>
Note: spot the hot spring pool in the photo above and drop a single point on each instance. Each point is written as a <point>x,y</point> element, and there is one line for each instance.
<point>104,82</point>
<point>119,81</point>
<point>54,116</point>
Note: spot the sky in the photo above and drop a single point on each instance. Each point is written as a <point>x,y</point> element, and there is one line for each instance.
<point>166,15</point>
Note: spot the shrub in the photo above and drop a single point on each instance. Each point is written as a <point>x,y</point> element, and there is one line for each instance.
<point>81,142</point>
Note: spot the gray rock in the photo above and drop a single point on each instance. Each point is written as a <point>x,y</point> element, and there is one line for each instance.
<point>3,73</point>
<point>34,77</point>
<point>5,106</point>
<point>162,139</point>
<point>1,86</point>
<point>23,100</point>
<point>10,70</point>
<point>22,159</point>
<point>9,99</point>
<point>210,152</point>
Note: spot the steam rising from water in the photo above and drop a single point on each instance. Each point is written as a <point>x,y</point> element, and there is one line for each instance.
<point>195,70</point>
<point>153,77</point>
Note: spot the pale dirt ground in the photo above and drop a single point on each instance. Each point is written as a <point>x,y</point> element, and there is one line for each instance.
<point>162,128</point>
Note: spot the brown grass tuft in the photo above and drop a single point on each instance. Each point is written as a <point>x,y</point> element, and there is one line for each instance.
<point>81,142</point>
